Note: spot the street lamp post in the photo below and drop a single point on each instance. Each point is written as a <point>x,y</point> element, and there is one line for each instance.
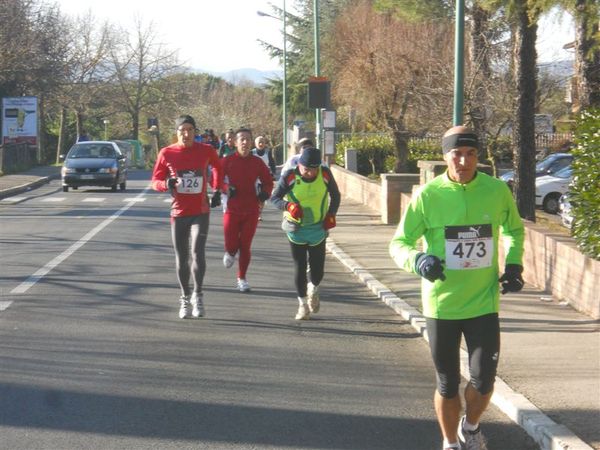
<point>317,68</point>
<point>106,122</point>
<point>459,62</point>
<point>284,83</point>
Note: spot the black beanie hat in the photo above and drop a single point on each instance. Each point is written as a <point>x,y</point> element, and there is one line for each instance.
<point>310,157</point>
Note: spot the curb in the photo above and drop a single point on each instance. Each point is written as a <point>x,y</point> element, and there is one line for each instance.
<point>26,186</point>
<point>547,433</point>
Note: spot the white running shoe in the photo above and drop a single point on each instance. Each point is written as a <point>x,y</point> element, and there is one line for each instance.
<point>243,285</point>
<point>472,440</point>
<point>303,312</point>
<point>228,260</point>
<point>314,303</point>
<point>197,305</point>
<point>184,309</point>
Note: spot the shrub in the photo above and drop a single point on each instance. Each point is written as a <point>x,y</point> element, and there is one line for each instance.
<point>376,153</point>
<point>372,152</point>
<point>585,190</point>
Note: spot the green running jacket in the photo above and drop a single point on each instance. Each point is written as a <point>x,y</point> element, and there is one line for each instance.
<point>460,224</point>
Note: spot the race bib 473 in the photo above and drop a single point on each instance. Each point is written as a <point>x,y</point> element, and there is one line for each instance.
<point>469,246</point>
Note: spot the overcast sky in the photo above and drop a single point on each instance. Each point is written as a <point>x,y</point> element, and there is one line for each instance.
<point>221,35</point>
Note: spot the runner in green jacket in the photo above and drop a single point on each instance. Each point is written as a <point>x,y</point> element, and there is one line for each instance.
<point>461,215</point>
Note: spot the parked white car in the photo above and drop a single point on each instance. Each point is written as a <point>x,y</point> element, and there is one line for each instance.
<point>549,188</point>
<point>565,210</point>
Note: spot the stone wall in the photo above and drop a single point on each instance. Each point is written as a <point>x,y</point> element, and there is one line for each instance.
<point>552,261</point>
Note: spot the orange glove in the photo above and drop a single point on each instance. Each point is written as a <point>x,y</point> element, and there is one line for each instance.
<point>295,210</point>
<point>329,221</point>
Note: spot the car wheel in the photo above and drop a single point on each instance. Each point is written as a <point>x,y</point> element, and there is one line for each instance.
<point>550,204</point>
<point>65,188</point>
<point>123,185</point>
<point>75,188</point>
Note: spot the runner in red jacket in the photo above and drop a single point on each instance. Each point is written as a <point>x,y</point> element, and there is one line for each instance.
<point>241,171</point>
<point>182,169</point>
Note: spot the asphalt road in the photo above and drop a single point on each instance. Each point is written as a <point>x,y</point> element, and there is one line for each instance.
<point>93,355</point>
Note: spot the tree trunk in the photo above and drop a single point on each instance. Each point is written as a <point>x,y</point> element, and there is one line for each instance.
<point>401,146</point>
<point>42,157</point>
<point>61,134</point>
<point>135,132</point>
<point>480,70</point>
<point>79,123</point>
<point>524,124</point>
<point>587,58</point>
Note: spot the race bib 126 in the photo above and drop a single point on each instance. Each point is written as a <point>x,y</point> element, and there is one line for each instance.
<point>469,246</point>
<point>190,182</point>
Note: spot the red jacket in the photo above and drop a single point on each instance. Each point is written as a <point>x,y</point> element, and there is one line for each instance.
<point>190,165</point>
<point>242,173</point>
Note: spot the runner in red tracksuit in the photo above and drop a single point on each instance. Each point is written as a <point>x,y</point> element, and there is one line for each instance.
<point>241,170</point>
<point>182,169</point>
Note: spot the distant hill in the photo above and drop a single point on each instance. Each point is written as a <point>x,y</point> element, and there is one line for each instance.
<point>562,69</point>
<point>255,76</point>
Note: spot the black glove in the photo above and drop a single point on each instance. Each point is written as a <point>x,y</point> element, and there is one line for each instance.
<point>429,267</point>
<point>215,199</point>
<point>231,192</point>
<point>512,281</point>
<point>263,196</point>
<point>171,182</point>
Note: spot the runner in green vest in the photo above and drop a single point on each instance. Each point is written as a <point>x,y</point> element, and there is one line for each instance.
<point>460,215</point>
<point>310,198</point>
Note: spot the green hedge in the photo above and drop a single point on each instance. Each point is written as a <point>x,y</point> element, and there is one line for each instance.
<point>376,154</point>
<point>585,190</point>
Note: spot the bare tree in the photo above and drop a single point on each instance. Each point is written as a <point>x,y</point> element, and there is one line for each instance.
<point>86,69</point>
<point>395,73</point>
<point>139,63</point>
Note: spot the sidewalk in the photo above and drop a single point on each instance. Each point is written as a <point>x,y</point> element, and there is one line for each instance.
<point>549,373</point>
<point>15,184</point>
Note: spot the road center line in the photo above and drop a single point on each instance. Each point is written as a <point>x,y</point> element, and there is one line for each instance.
<point>41,273</point>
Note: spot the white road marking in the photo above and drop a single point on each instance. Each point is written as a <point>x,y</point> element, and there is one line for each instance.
<point>136,199</point>
<point>41,273</point>
<point>13,199</point>
<point>54,199</point>
<point>94,199</point>
<point>4,305</point>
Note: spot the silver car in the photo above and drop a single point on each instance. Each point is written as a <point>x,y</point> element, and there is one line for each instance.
<point>94,163</point>
<point>565,210</point>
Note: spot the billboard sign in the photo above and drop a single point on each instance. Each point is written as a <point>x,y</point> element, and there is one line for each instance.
<point>19,120</point>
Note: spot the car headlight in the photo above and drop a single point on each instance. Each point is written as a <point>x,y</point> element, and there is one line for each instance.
<point>108,170</point>
<point>65,170</point>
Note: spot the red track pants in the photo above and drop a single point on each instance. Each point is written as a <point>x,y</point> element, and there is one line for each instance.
<point>238,230</point>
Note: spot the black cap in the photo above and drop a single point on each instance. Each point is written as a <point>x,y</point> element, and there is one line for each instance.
<point>185,119</point>
<point>310,157</point>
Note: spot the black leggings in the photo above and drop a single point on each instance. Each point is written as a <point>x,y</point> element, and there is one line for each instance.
<point>482,336</point>
<point>182,229</point>
<point>316,259</point>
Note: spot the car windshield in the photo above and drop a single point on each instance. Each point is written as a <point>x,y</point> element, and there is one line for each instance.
<point>565,172</point>
<point>545,164</point>
<point>92,151</point>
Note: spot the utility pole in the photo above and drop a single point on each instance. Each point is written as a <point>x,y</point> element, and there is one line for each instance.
<point>459,62</point>
<point>317,69</point>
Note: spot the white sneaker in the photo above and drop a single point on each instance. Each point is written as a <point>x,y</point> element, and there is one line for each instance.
<point>472,440</point>
<point>228,260</point>
<point>197,305</point>
<point>314,303</point>
<point>303,312</point>
<point>243,285</point>
<point>184,309</point>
